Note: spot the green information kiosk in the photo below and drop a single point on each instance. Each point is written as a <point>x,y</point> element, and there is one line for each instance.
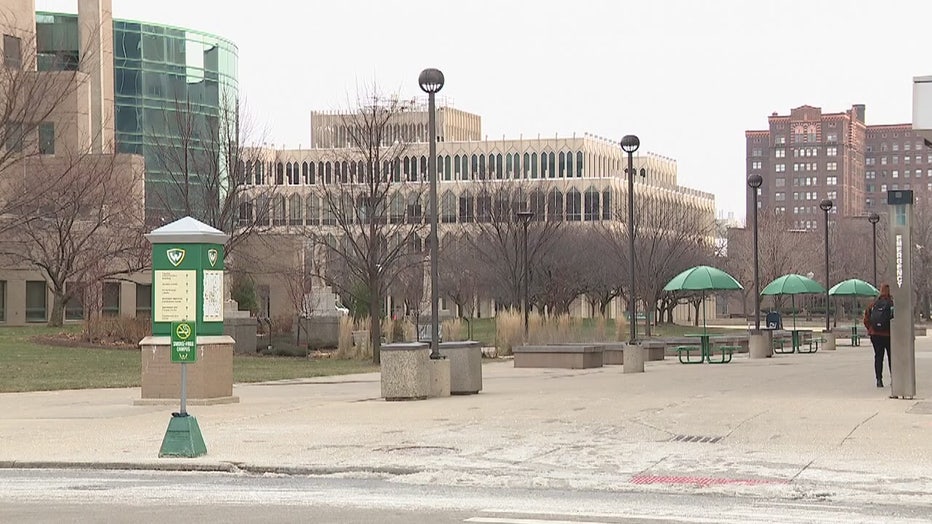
<point>187,319</point>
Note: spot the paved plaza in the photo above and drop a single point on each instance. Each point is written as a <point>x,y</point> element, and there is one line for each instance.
<point>811,427</point>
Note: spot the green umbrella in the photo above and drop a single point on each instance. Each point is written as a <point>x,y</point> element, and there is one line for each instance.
<point>793,285</point>
<point>854,287</point>
<point>703,278</point>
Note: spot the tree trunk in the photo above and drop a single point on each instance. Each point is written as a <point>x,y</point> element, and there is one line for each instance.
<point>57,317</point>
<point>375,319</point>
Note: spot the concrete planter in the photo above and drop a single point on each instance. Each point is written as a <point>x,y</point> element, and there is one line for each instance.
<point>829,338</point>
<point>465,366</point>
<point>405,371</point>
<point>760,344</point>
<point>565,357</point>
<point>634,359</point>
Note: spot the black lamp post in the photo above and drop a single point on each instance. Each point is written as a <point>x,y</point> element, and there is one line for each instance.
<point>431,82</point>
<point>630,144</point>
<point>754,182</point>
<point>826,206</point>
<point>873,219</point>
<point>526,217</point>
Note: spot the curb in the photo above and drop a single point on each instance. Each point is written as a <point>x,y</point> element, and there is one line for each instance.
<point>216,467</point>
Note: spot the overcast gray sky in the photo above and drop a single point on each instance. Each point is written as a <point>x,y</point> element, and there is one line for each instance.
<point>687,76</point>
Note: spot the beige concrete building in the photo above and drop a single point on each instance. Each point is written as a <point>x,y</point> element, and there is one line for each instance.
<point>574,179</point>
<point>58,122</point>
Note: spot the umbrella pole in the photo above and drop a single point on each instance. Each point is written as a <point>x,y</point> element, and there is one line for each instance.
<point>703,313</point>
<point>793,301</point>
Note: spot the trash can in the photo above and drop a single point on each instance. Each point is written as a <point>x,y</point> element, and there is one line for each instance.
<point>774,320</point>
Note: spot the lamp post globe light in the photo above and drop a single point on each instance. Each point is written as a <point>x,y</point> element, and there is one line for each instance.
<point>873,218</point>
<point>826,206</point>
<point>431,82</point>
<point>526,217</point>
<point>754,183</point>
<point>630,144</point>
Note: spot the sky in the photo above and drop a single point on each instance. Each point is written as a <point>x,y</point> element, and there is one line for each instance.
<point>687,76</point>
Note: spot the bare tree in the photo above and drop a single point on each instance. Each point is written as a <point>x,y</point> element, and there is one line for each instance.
<point>461,274</point>
<point>88,224</point>
<point>493,231</point>
<point>208,163</point>
<point>669,238</point>
<point>601,270</point>
<point>372,208</point>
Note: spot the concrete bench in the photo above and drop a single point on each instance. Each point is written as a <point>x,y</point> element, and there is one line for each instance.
<point>558,356</point>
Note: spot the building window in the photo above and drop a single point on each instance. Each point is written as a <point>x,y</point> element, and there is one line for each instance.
<point>869,188</point>
<point>607,205</point>
<point>831,151</point>
<point>36,301</point>
<point>143,300</point>
<point>780,140</point>
<point>757,152</point>
<point>755,165</point>
<point>831,181</point>
<point>12,52</point>
<point>883,188</point>
<point>295,210</point>
<point>895,173</point>
<point>591,205</point>
<point>832,195</point>
<point>779,196</point>
<point>573,206</point>
<point>47,138</point>
<point>831,166</point>
<point>779,153</point>
<point>896,147</point>
<point>780,168</point>
<point>832,137</point>
<point>779,182</point>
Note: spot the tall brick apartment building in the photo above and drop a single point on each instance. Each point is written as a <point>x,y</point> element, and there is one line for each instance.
<point>809,155</point>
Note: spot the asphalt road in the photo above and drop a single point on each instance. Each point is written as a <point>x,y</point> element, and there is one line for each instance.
<point>158,497</point>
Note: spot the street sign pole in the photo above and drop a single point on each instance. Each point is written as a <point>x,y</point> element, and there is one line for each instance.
<point>183,438</point>
<point>184,388</point>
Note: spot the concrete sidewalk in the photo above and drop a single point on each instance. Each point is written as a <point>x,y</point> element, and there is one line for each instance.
<point>794,426</point>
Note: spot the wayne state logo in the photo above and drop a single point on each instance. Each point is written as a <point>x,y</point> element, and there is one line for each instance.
<point>212,257</point>
<point>175,256</point>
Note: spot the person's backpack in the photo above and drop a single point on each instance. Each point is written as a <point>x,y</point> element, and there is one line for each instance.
<point>881,313</point>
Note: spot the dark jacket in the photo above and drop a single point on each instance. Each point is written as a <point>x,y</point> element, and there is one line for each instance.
<point>867,318</point>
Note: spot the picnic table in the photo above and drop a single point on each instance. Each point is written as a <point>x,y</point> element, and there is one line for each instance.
<point>705,351</point>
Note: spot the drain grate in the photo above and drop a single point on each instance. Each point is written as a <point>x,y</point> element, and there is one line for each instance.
<point>701,481</point>
<point>696,438</point>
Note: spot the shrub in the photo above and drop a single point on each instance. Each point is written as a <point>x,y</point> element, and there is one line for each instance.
<point>453,330</point>
<point>123,331</point>
<point>243,291</point>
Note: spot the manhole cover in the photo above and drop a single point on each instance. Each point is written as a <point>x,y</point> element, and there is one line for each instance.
<point>921,408</point>
<point>696,438</point>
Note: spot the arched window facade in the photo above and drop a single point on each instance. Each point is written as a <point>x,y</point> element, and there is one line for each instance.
<point>279,173</point>
<point>555,205</point>
<point>573,205</point>
<point>295,210</point>
<point>396,209</point>
<point>467,207</point>
<point>448,207</point>
<point>312,210</point>
<point>579,164</point>
<point>483,207</point>
<point>591,205</point>
<point>278,210</point>
<point>607,210</point>
<point>538,204</point>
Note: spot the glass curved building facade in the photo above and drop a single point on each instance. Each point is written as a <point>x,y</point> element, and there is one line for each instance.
<point>167,81</point>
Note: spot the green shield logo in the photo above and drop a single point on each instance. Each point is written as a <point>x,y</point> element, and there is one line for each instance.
<point>175,256</point>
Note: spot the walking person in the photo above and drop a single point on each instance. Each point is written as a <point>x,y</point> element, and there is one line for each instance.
<point>877,318</point>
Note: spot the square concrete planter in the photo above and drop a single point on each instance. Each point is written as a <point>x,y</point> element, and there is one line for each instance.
<point>465,366</point>
<point>405,371</point>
